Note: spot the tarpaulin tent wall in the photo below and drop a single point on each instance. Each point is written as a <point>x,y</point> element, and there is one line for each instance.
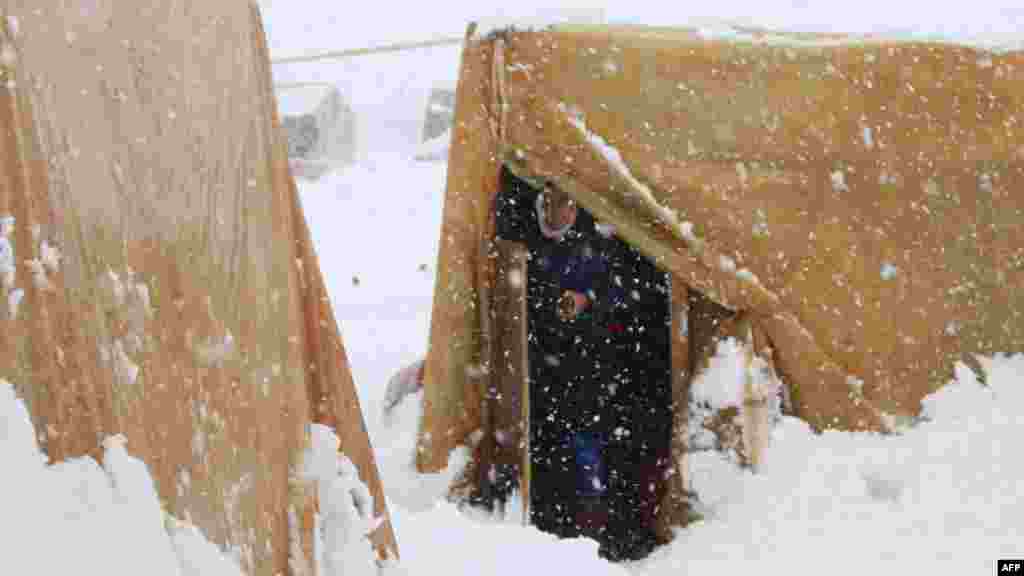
<point>159,280</point>
<point>856,199</point>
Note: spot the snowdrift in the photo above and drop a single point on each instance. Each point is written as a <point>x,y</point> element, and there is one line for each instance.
<point>108,519</point>
<point>157,275</point>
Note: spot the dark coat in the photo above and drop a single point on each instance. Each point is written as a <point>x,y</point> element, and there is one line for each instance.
<point>604,374</point>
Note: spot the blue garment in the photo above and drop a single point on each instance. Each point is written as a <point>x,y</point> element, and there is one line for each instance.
<point>576,266</point>
<point>591,470</point>
<point>581,265</point>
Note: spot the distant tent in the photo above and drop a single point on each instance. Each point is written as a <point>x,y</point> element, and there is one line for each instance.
<point>158,276</point>
<point>320,125</point>
<point>439,113</point>
<point>850,207</point>
<point>437,125</point>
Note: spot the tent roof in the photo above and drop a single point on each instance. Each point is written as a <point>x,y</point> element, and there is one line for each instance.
<point>718,30</point>
<point>856,195</point>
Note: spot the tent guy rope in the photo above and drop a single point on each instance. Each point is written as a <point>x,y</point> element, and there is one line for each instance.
<point>354,52</point>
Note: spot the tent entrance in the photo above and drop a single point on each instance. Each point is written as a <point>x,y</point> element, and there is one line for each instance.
<point>606,378</point>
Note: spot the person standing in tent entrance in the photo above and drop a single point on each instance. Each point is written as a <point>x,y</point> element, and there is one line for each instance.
<point>576,489</point>
<point>562,268</point>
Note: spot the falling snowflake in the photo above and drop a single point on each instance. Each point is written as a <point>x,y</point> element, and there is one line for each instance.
<point>839,181</point>
<point>869,140</point>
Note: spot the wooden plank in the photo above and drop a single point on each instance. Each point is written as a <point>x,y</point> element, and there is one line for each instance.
<point>510,404</point>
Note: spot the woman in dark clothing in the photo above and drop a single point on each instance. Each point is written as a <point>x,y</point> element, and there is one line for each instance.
<point>594,378</point>
<point>563,268</point>
<point>636,356</point>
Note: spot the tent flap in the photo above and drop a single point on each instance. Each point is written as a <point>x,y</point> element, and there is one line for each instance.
<point>452,403</point>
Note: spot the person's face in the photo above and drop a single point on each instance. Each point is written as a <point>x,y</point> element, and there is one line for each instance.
<point>561,215</point>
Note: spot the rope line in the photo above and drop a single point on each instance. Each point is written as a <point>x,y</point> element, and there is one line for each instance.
<point>354,52</point>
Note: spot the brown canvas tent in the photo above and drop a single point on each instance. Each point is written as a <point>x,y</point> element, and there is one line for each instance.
<point>164,285</point>
<point>855,199</point>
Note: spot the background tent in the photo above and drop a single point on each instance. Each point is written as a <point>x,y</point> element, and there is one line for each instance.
<point>158,277</point>
<point>437,125</point>
<point>320,125</point>
<point>853,198</point>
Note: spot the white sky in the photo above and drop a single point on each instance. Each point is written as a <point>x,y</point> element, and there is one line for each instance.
<point>309,26</point>
<point>389,91</point>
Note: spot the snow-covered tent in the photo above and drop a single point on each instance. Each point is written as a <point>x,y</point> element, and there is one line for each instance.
<point>158,277</point>
<point>436,135</point>
<point>851,205</point>
<point>320,125</point>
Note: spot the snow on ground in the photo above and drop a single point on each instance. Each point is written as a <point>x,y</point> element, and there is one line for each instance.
<point>345,514</point>
<point>941,498</point>
<point>376,226</point>
<point>76,517</point>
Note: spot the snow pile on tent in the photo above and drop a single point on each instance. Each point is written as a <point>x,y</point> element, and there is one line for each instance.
<point>77,517</point>
<point>109,519</point>
<point>346,515</point>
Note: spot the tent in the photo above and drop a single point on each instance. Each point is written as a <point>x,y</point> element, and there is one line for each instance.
<point>437,125</point>
<point>438,116</point>
<point>158,276</point>
<point>320,125</point>
<point>850,205</point>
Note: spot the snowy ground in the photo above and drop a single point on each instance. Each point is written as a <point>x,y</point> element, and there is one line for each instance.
<point>941,498</point>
